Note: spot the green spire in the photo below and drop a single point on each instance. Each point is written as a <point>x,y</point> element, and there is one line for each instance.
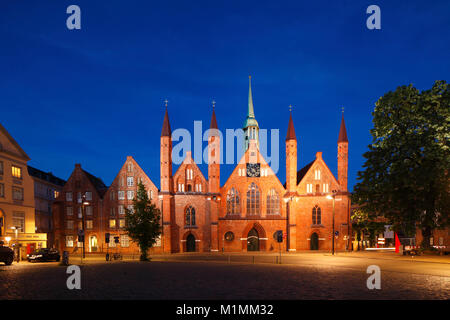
<point>251,112</point>
<point>250,121</point>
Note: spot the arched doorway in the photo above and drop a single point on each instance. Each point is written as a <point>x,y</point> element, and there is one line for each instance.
<point>93,244</point>
<point>253,240</point>
<point>190,243</point>
<point>314,242</point>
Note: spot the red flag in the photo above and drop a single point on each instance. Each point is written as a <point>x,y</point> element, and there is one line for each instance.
<point>397,244</point>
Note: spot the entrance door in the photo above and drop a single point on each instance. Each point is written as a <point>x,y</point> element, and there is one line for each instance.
<point>190,243</point>
<point>314,241</point>
<point>93,245</point>
<point>253,240</point>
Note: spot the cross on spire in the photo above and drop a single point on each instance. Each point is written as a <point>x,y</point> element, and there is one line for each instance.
<point>213,104</point>
<point>165,102</point>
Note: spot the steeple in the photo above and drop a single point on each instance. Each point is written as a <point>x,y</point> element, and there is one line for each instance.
<point>291,156</point>
<point>214,155</point>
<point>291,131</point>
<point>166,132</point>
<point>251,112</point>
<point>251,120</point>
<point>213,117</point>
<point>343,131</point>
<point>251,127</point>
<point>343,155</point>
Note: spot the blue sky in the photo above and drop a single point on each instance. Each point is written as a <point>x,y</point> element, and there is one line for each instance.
<point>95,95</point>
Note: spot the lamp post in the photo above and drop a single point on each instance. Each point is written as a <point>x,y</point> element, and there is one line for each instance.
<point>332,197</point>
<point>288,200</point>
<point>84,203</point>
<point>16,246</point>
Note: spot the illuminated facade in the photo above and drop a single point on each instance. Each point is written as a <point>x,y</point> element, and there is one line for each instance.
<point>200,215</point>
<point>17,203</point>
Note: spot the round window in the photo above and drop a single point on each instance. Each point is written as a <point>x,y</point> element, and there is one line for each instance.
<point>229,236</point>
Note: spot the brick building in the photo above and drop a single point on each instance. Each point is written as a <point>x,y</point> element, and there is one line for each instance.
<point>69,211</point>
<point>245,213</point>
<point>47,188</point>
<point>200,215</point>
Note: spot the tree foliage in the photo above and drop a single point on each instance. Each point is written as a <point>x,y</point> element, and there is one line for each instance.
<point>406,172</point>
<point>142,224</point>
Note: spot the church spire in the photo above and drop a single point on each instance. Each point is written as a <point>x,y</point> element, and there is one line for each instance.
<point>251,127</point>
<point>213,117</point>
<point>166,131</point>
<point>343,131</point>
<point>251,112</point>
<point>291,131</point>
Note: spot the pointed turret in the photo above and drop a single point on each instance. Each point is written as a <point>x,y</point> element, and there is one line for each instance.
<point>213,119</point>
<point>343,131</point>
<point>343,155</point>
<point>166,154</point>
<point>291,131</point>
<point>291,157</point>
<point>214,155</point>
<point>251,127</point>
<point>166,132</point>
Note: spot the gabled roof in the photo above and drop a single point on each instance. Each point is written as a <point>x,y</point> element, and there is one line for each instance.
<point>97,183</point>
<point>189,161</point>
<point>14,143</point>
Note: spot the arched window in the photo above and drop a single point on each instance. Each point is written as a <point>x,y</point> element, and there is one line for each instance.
<point>273,202</point>
<point>190,216</point>
<point>233,202</point>
<point>316,215</point>
<point>253,199</point>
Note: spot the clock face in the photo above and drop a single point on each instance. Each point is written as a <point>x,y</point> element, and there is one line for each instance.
<point>253,170</point>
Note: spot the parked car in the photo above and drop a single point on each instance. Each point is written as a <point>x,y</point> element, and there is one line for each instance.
<point>45,254</point>
<point>6,254</point>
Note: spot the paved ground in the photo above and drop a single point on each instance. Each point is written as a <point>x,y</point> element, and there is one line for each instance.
<point>301,276</point>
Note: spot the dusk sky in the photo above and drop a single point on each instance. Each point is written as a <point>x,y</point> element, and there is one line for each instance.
<point>95,95</point>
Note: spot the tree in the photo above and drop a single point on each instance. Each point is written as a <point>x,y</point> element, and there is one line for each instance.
<point>406,172</point>
<point>142,224</point>
<point>364,223</point>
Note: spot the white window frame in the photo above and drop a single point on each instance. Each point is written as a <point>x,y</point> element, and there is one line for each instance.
<point>130,182</point>
<point>130,194</point>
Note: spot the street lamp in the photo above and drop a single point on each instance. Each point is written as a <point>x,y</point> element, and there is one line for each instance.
<point>332,196</point>
<point>16,248</point>
<point>288,199</point>
<point>84,203</point>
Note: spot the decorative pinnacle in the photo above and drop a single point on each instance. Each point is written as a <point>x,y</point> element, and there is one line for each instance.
<point>213,104</point>
<point>165,102</point>
<point>342,110</point>
<point>290,108</point>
